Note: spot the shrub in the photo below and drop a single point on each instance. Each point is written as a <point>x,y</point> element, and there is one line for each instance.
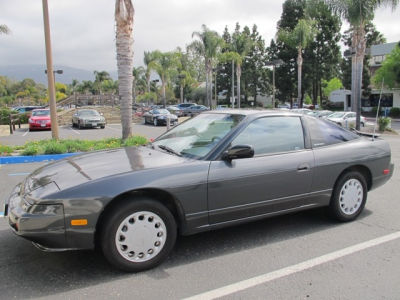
<point>54,147</point>
<point>5,150</point>
<point>31,149</point>
<point>5,116</point>
<point>383,123</point>
<point>395,112</point>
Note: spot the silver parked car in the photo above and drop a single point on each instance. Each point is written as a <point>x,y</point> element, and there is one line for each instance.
<point>346,119</point>
<point>218,169</point>
<point>85,118</point>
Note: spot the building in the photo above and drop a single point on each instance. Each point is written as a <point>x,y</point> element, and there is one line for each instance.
<point>390,97</point>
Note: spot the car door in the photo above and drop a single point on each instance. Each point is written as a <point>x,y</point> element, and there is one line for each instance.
<point>276,179</point>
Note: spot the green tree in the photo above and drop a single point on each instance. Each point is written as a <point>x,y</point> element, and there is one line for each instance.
<point>372,37</point>
<point>390,70</point>
<point>4,29</point>
<point>292,12</point>
<point>164,65</point>
<point>137,73</point>
<point>208,44</point>
<point>300,38</point>
<point>323,55</point>
<point>148,58</point>
<point>124,13</point>
<point>329,86</point>
<point>358,13</point>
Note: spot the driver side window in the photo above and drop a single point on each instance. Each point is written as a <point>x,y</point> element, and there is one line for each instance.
<point>272,135</point>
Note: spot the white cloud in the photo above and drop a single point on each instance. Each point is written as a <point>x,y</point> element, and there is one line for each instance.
<point>83,30</point>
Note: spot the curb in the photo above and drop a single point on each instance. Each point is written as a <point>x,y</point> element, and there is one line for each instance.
<point>4,160</point>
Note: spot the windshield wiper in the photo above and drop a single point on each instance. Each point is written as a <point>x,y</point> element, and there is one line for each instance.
<point>168,149</point>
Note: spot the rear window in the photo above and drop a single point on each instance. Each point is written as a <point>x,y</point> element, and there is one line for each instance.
<point>325,133</point>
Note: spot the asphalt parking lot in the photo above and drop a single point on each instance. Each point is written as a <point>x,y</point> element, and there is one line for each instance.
<point>23,135</point>
<point>299,256</point>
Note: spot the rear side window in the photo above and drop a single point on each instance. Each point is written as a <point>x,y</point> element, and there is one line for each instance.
<point>272,135</point>
<point>325,133</point>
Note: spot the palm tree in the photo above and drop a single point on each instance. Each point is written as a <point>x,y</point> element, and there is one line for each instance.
<point>241,43</point>
<point>300,38</point>
<point>100,77</point>
<point>137,72</point>
<point>358,13</point>
<point>4,29</point>
<point>184,71</point>
<point>124,13</point>
<point>148,58</point>
<point>208,45</point>
<point>163,65</point>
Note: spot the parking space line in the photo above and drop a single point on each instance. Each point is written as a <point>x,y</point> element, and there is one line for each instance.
<point>19,174</point>
<point>113,128</point>
<point>77,132</point>
<point>26,132</point>
<point>308,264</point>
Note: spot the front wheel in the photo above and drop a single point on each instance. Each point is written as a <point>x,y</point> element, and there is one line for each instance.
<point>349,197</point>
<point>138,235</point>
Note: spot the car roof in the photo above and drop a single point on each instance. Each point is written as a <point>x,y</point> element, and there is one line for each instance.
<point>249,112</point>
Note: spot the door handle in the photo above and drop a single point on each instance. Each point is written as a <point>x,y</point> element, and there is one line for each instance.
<point>303,167</point>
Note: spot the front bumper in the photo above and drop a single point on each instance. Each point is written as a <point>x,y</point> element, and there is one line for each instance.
<point>41,224</point>
<point>34,126</point>
<point>93,124</point>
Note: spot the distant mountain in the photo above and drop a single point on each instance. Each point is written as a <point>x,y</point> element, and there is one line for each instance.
<point>36,72</point>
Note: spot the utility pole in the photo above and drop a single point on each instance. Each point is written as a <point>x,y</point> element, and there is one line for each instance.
<point>233,84</point>
<point>50,74</point>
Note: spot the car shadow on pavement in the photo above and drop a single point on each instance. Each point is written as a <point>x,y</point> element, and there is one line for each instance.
<point>28,272</point>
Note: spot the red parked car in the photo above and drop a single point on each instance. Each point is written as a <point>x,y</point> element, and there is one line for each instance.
<point>40,119</point>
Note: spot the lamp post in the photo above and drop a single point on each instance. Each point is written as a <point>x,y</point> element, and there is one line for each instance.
<point>233,84</point>
<point>274,63</point>
<point>54,74</point>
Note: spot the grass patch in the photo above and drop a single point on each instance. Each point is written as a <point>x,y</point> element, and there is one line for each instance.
<point>5,150</point>
<point>70,146</point>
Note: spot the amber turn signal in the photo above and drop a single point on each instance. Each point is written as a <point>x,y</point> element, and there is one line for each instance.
<point>79,222</point>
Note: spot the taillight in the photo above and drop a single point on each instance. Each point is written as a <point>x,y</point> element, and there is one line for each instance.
<point>386,171</point>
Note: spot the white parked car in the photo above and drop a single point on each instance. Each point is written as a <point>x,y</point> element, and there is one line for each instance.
<point>346,119</point>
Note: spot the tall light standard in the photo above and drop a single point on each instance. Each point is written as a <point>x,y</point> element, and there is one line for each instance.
<point>54,74</point>
<point>274,63</point>
<point>50,74</point>
<point>233,84</point>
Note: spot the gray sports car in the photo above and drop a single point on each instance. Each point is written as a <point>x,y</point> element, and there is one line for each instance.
<point>218,169</point>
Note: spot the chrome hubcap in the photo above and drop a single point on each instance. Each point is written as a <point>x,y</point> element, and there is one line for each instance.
<point>141,236</point>
<point>351,196</point>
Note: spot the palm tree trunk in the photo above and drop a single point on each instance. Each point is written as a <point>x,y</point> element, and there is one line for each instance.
<point>358,44</point>
<point>124,44</point>
<point>148,82</point>
<point>181,92</point>
<point>238,75</point>
<point>299,69</point>
<point>163,84</point>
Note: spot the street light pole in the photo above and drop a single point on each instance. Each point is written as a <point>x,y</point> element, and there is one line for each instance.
<point>50,74</point>
<point>274,64</point>
<point>233,84</point>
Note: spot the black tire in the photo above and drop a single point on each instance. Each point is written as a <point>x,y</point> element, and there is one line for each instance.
<point>135,208</point>
<point>362,124</point>
<point>155,122</point>
<point>79,125</point>
<point>348,208</point>
<point>103,126</point>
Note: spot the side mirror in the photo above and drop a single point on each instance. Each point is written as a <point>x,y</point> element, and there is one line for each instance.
<point>238,151</point>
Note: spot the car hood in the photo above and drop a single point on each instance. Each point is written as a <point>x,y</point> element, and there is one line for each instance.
<point>80,169</point>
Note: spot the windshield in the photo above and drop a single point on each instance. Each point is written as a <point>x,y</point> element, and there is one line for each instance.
<point>40,113</point>
<point>88,113</point>
<point>337,115</point>
<point>161,112</point>
<point>196,137</point>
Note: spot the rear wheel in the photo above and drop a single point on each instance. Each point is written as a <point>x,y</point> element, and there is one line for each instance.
<point>349,197</point>
<point>138,235</point>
